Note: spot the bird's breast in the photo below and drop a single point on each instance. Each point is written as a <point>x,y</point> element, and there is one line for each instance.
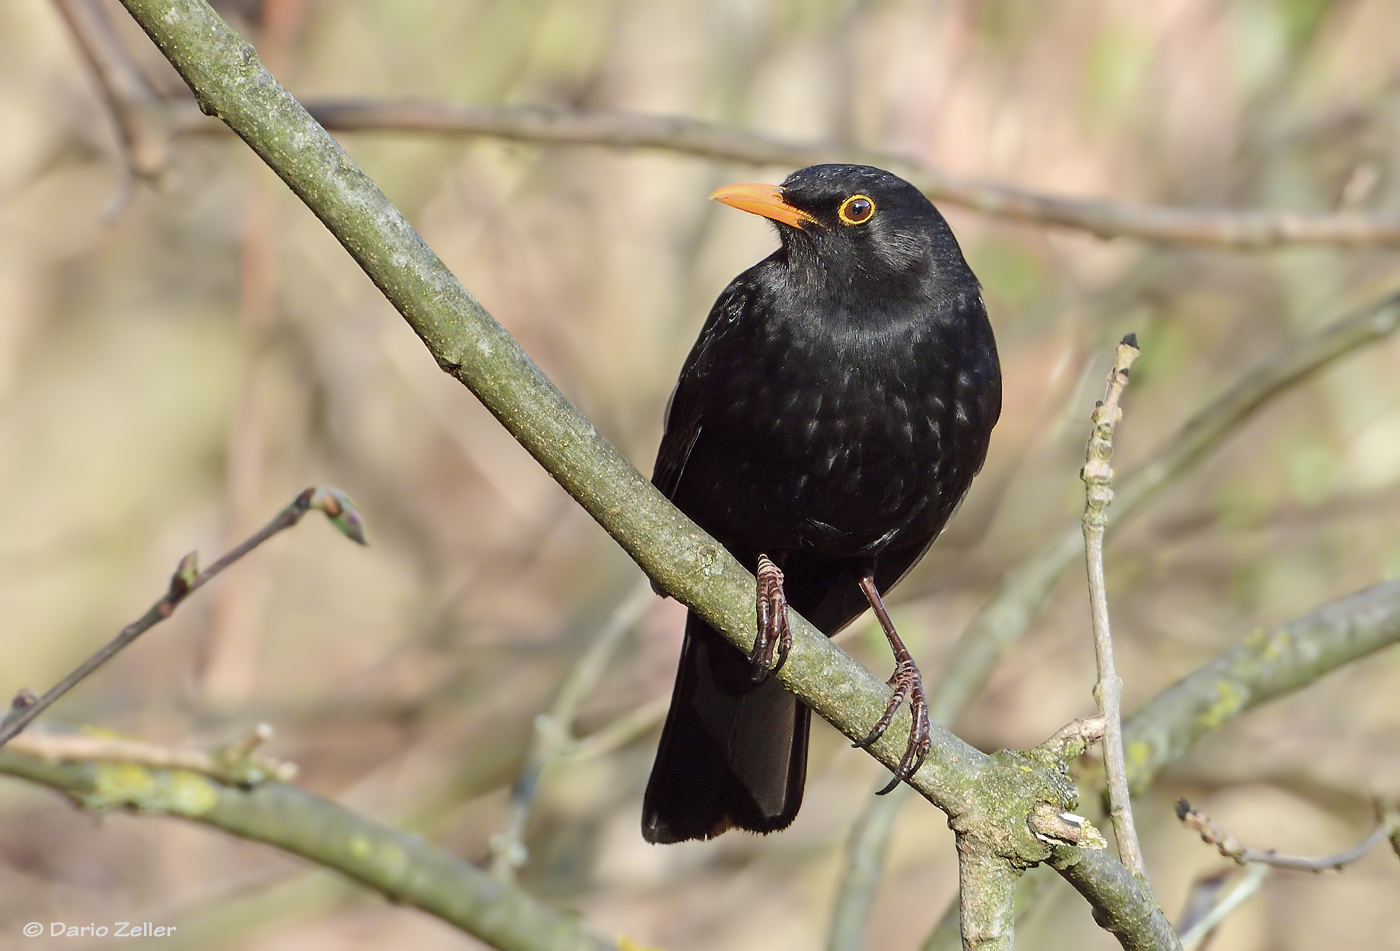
<point>841,441</point>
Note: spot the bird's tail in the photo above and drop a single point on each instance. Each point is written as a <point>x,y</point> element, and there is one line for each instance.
<point>733,753</point>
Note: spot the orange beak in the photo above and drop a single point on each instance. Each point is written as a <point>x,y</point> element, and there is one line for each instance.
<point>765,200</point>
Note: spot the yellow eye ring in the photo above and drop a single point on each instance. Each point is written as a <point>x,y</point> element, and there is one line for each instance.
<point>857,210</point>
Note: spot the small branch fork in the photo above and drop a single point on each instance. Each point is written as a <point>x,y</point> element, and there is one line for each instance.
<point>1230,847</point>
<point>186,579</point>
<point>553,738</point>
<point>1098,479</point>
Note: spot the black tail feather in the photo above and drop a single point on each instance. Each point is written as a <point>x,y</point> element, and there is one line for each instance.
<point>733,753</point>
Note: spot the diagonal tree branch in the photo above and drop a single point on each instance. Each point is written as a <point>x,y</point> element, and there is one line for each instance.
<point>1267,665</point>
<point>398,865</point>
<point>987,797</point>
<point>1247,230</point>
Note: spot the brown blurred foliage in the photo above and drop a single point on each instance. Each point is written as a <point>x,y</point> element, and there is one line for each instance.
<point>176,364</point>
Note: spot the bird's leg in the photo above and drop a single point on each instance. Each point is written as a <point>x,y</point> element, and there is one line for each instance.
<point>774,636</point>
<point>908,684</point>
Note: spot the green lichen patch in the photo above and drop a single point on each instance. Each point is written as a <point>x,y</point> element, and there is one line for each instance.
<point>126,785</point>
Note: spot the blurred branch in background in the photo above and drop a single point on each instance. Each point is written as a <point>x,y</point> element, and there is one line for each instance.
<point>554,729</point>
<point>1195,927</point>
<point>184,582</point>
<point>1268,664</point>
<point>1010,610</point>
<point>140,116</point>
<point>237,764</point>
<point>226,660</point>
<point>398,865</point>
<point>1245,230</point>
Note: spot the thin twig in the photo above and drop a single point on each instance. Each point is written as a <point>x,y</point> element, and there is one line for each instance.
<point>1251,230</point>
<point>1108,692</point>
<point>617,734</point>
<point>1230,847</point>
<point>1247,888</point>
<point>136,109</point>
<point>187,579</point>
<point>554,729</point>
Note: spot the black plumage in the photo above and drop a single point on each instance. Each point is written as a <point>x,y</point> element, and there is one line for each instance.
<point>831,416</point>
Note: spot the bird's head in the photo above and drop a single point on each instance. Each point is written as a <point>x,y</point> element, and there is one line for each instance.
<point>849,225</point>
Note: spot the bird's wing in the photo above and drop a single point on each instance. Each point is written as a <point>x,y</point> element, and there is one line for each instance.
<point>684,414</point>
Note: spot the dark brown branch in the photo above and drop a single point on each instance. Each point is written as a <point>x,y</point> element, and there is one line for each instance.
<point>1227,845</point>
<point>187,579</point>
<point>1250,230</point>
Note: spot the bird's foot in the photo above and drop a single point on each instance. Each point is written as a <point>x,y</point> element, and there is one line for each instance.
<point>908,684</point>
<point>774,636</point>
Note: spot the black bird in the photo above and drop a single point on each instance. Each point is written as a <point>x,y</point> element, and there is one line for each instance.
<point>826,424</point>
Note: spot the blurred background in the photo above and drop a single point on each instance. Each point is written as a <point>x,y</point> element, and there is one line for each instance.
<point>177,361</point>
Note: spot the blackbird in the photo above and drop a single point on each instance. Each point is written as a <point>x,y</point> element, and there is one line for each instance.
<point>827,423</point>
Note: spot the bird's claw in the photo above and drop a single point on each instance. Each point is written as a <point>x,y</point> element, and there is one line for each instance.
<point>774,635</point>
<point>907,683</point>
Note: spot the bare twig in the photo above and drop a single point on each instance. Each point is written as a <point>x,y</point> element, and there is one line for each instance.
<point>554,729</point>
<point>1230,847</point>
<point>617,734</point>
<point>1267,665</point>
<point>1108,692</point>
<point>137,111</point>
<point>237,764</point>
<point>1107,219</point>
<point>1248,887</point>
<point>186,579</point>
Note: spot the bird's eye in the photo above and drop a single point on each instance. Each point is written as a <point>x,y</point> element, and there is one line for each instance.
<point>856,210</point>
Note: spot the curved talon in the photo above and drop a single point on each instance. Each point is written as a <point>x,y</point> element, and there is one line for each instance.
<point>773,635</point>
<point>901,691</point>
